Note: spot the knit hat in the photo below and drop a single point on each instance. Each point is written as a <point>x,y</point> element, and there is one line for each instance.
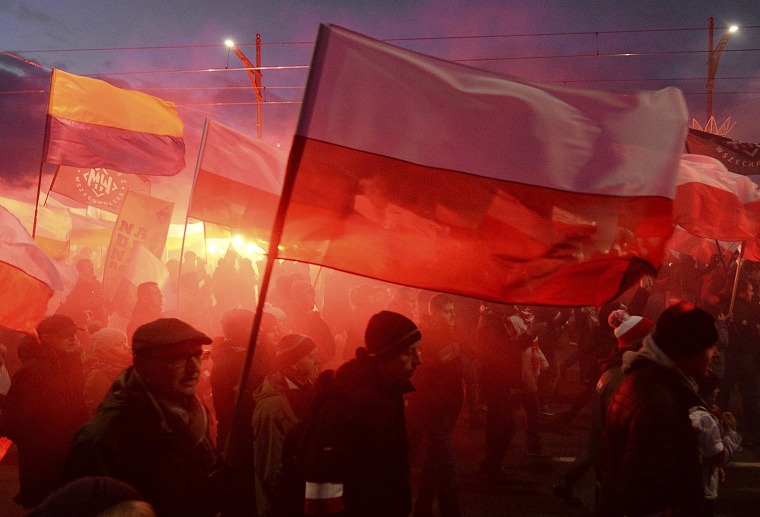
<point>629,329</point>
<point>276,312</point>
<point>685,330</point>
<point>110,345</point>
<point>388,333</point>
<point>292,348</point>
<point>237,319</point>
<point>167,337</point>
<point>109,337</point>
<point>55,324</point>
<point>268,321</point>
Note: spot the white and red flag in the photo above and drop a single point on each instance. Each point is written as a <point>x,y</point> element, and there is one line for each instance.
<point>713,203</point>
<point>239,181</point>
<point>27,276</point>
<point>701,248</point>
<point>427,173</point>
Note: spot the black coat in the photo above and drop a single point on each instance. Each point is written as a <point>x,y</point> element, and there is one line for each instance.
<point>650,457</point>
<point>42,413</point>
<point>500,349</point>
<point>130,439</point>
<point>356,439</point>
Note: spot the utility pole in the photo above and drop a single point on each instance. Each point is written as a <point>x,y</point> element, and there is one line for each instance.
<point>254,75</point>
<point>713,59</point>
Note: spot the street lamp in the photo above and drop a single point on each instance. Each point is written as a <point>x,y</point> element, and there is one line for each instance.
<point>713,58</point>
<point>254,74</point>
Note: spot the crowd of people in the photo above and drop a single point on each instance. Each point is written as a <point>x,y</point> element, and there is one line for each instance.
<point>352,397</point>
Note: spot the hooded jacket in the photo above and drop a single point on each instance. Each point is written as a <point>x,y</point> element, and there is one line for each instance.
<point>650,460</point>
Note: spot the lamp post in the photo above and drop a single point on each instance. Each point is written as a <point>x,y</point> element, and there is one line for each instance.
<point>713,59</point>
<point>254,74</point>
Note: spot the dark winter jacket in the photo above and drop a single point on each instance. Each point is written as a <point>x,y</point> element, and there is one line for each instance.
<point>500,348</point>
<point>650,456</point>
<point>353,450</point>
<point>280,404</point>
<point>43,411</point>
<point>439,380</point>
<point>133,439</point>
<point>743,337</point>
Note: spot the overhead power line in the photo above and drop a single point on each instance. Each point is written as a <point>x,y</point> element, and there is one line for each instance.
<point>390,40</point>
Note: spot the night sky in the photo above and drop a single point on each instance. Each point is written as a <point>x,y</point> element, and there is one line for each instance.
<point>166,48</point>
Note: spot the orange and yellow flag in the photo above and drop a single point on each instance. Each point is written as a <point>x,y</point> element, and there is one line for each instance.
<point>91,123</point>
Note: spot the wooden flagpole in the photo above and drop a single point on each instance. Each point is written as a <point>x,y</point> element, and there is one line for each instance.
<point>45,145</point>
<point>201,150</point>
<point>274,243</point>
<point>736,279</point>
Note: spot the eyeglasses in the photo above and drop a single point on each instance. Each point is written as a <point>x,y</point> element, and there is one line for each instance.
<point>181,362</point>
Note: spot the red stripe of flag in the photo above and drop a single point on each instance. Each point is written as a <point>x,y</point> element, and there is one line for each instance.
<point>476,183</point>
<point>80,144</point>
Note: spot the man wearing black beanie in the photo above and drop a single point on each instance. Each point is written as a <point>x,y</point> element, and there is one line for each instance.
<point>650,459</point>
<point>351,456</point>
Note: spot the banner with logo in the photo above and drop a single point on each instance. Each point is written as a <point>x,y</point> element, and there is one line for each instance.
<point>738,157</point>
<point>143,220</point>
<point>97,187</point>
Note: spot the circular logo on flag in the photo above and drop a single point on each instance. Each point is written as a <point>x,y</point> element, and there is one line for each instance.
<point>101,187</point>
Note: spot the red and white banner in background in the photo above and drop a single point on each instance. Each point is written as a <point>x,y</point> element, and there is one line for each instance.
<point>738,157</point>
<point>27,275</point>
<point>239,181</point>
<point>713,203</point>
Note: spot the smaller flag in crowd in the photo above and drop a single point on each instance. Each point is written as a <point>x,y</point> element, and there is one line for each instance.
<point>738,157</point>
<point>713,203</point>
<point>27,276</point>
<point>97,187</point>
<point>239,181</point>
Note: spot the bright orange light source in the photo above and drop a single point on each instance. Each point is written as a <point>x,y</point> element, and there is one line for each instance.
<point>229,43</point>
<point>733,28</point>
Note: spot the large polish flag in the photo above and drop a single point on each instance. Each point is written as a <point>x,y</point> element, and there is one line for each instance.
<point>427,173</point>
<point>93,124</point>
<point>27,276</point>
<point>239,181</point>
<point>714,203</point>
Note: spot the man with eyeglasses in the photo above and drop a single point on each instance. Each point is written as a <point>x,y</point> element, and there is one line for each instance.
<point>151,430</point>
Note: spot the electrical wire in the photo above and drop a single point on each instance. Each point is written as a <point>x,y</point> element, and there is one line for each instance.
<point>389,40</point>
